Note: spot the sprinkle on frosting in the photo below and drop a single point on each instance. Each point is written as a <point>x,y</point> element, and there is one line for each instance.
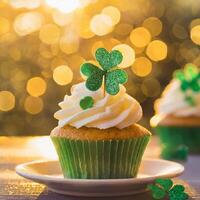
<point>86,102</point>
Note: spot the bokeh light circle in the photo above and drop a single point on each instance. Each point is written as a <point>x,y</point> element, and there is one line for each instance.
<point>195,34</point>
<point>142,66</point>
<point>113,13</point>
<point>7,101</point>
<point>28,22</point>
<point>154,25</point>
<point>157,50</point>
<point>101,24</point>
<point>62,75</point>
<point>128,55</point>
<point>36,86</point>
<point>33,105</point>
<point>65,6</point>
<point>49,34</point>
<point>140,37</point>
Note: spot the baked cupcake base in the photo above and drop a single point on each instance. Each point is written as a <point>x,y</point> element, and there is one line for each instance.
<point>108,154</point>
<point>176,131</point>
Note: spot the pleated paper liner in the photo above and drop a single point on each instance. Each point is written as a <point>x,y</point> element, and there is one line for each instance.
<point>172,137</point>
<point>101,159</point>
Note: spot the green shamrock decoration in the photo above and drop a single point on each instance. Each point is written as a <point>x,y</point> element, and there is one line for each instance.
<point>86,102</point>
<point>108,72</point>
<point>177,193</point>
<point>190,80</point>
<point>163,187</point>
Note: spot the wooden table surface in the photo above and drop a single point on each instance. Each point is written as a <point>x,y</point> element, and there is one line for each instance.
<point>16,150</point>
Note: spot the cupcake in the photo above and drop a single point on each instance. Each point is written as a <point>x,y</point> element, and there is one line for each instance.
<point>97,136</point>
<point>177,118</point>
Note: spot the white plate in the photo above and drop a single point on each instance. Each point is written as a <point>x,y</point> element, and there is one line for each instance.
<point>49,173</point>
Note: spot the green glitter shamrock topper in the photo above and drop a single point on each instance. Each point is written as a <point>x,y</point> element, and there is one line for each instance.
<point>190,80</point>
<point>111,75</point>
<point>164,187</point>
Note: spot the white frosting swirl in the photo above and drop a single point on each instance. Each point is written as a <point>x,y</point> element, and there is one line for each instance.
<point>119,111</point>
<point>173,101</point>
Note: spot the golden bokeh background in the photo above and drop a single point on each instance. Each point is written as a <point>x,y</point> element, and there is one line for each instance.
<point>44,42</point>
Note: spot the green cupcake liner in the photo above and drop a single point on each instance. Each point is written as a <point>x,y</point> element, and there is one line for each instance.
<point>100,159</point>
<point>172,137</point>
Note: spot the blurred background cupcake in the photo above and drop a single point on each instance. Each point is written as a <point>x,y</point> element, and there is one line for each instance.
<point>177,118</point>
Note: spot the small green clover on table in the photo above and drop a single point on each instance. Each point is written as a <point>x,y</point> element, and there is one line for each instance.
<point>108,72</point>
<point>163,188</point>
<point>190,80</point>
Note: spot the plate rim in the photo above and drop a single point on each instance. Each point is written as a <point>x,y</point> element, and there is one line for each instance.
<point>45,178</point>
